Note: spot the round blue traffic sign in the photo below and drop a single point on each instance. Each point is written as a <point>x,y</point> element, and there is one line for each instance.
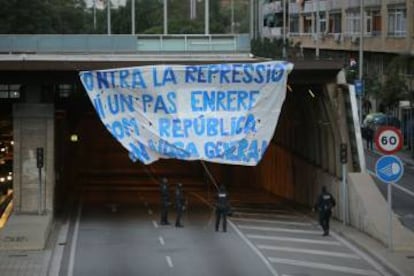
<point>389,168</point>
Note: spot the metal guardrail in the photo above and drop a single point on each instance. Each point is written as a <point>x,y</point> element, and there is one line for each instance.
<point>121,44</point>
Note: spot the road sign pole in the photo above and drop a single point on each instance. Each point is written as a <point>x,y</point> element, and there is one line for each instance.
<point>344,196</point>
<point>390,246</point>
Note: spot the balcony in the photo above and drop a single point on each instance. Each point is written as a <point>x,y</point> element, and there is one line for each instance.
<point>394,2</point>
<point>336,4</point>
<point>372,3</point>
<point>273,7</point>
<point>294,8</point>
<point>312,6</point>
<point>274,32</point>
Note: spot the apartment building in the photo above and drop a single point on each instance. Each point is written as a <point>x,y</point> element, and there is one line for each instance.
<point>388,28</point>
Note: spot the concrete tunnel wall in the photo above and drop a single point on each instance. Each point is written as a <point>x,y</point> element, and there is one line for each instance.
<point>304,153</point>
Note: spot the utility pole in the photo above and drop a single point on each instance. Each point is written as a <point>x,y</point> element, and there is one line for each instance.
<point>361,55</point>
<point>108,16</point>
<point>94,15</point>
<point>232,16</point>
<point>284,29</point>
<point>206,17</point>
<point>318,30</point>
<point>193,9</point>
<point>252,19</point>
<point>165,17</point>
<point>132,17</point>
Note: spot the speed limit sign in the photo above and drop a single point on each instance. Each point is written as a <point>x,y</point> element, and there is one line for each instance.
<point>388,139</point>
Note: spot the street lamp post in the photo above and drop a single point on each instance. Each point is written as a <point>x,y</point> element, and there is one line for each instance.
<point>206,17</point>
<point>165,17</point>
<point>108,16</point>
<point>361,55</point>
<point>133,17</point>
<point>318,30</point>
<point>284,29</point>
<point>232,16</point>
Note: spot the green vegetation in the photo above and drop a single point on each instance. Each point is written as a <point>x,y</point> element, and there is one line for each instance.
<point>72,17</point>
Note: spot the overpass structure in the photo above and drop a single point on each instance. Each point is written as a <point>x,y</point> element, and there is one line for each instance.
<point>43,104</point>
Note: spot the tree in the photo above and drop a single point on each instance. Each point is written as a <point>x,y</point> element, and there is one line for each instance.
<point>395,86</point>
<point>42,17</point>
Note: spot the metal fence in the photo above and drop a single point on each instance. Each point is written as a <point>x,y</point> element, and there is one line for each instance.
<point>90,44</point>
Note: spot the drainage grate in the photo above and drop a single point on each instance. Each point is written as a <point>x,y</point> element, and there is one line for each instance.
<point>410,257</point>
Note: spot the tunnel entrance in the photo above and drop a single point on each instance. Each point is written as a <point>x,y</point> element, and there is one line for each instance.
<point>97,167</point>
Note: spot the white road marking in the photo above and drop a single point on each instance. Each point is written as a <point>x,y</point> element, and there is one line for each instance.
<point>243,237</point>
<point>324,266</point>
<point>272,221</point>
<point>262,211</point>
<point>155,224</point>
<point>74,241</point>
<point>169,261</point>
<point>276,238</point>
<point>308,251</point>
<point>268,215</point>
<point>278,229</point>
<point>161,239</point>
<point>149,212</point>
<point>365,256</point>
<point>255,250</point>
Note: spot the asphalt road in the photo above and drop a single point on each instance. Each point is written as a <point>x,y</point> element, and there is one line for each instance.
<point>266,236</point>
<point>402,203</point>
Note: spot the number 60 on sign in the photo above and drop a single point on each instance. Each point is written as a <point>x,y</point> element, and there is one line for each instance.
<point>388,139</point>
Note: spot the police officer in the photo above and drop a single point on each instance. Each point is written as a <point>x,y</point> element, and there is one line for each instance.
<point>222,207</point>
<point>179,204</point>
<point>324,205</point>
<point>165,201</point>
<point>369,137</point>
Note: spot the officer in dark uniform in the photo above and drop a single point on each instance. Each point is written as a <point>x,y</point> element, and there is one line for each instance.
<point>324,205</point>
<point>165,201</point>
<point>179,204</point>
<point>369,134</point>
<point>222,207</point>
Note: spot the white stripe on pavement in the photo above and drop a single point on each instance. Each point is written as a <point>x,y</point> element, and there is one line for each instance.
<point>278,229</point>
<point>155,224</point>
<point>161,239</point>
<point>308,251</point>
<point>243,237</point>
<point>272,221</point>
<point>169,261</point>
<point>324,266</point>
<point>277,238</point>
<point>149,212</point>
<point>264,211</point>
<point>267,215</point>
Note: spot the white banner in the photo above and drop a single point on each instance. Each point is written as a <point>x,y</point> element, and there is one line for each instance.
<point>224,113</point>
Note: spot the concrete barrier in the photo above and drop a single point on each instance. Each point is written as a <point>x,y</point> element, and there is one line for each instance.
<point>368,212</point>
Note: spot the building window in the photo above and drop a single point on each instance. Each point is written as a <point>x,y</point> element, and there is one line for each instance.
<point>353,22</point>
<point>376,22</point>
<point>335,20</point>
<point>294,24</point>
<point>322,22</point>
<point>10,91</point>
<point>397,22</point>
<point>307,24</point>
